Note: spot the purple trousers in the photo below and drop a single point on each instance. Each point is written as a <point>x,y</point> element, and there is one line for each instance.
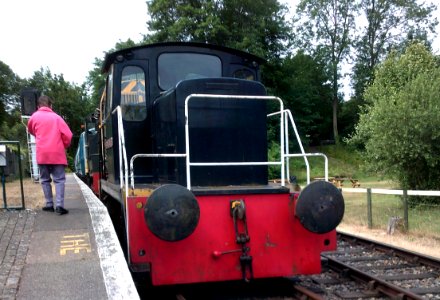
<point>59,179</point>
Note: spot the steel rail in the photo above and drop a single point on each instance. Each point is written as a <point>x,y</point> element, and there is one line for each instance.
<point>396,251</point>
<point>373,282</point>
<point>304,293</point>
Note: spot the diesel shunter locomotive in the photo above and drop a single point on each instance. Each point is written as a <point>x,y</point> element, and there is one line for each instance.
<point>178,150</point>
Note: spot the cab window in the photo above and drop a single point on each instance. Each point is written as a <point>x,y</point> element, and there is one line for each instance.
<point>244,74</point>
<point>174,67</point>
<point>133,101</point>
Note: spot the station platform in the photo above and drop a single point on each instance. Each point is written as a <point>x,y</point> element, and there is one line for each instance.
<point>74,256</point>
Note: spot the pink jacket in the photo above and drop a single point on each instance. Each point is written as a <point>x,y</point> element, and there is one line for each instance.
<point>52,136</point>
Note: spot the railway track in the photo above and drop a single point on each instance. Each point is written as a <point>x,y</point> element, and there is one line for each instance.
<point>359,269</point>
<point>363,268</point>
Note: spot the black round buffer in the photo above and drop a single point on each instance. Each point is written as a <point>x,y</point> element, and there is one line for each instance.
<point>172,212</point>
<point>320,207</point>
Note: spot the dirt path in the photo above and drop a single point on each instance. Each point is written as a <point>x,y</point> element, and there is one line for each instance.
<point>420,244</point>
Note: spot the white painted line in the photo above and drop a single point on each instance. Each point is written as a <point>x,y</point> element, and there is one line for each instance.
<point>117,278</point>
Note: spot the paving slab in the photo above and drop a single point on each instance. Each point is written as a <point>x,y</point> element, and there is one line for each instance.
<point>75,256</point>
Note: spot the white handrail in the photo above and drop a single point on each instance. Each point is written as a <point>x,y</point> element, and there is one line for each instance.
<point>231,97</point>
<point>148,155</point>
<point>314,154</point>
<point>288,114</point>
<point>123,174</point>
<point>285,116</point>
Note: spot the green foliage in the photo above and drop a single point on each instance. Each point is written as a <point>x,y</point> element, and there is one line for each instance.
<point>182,20</point>
<point>96,81</point>
<point>258,27</point>
<point>324,27</point>
<point>348,117</point>
<point>302,83</point>
<point>12,129</point>
<point>400,126</point>
<point>274,155</point>
<point>343,161</point>
<point>391,23</point>
<point>9,97</point>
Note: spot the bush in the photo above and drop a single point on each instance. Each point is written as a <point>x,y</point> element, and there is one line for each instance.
<point>400,128</point>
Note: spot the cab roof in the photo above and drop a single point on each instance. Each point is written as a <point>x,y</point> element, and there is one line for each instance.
<point>113,56</point>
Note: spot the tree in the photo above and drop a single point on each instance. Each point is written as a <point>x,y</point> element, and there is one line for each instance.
<point>304,86</point>
<point>389,24</point>
<point>258,27</point>
<point>183,20</point>
<point>324,29</point>
<point>399,127</point>
<point>9,93</point>
<point>96,79</point>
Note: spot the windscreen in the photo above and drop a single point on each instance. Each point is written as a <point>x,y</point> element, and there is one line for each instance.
<point>174,67</point>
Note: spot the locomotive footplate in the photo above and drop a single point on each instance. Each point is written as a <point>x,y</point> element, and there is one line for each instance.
<point>238,213</point>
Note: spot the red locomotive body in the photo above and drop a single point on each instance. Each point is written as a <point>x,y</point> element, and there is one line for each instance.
<point>278,244</point>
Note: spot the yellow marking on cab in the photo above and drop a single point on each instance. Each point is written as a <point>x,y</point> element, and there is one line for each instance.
<point>75,243</point>
<point>139,192</point>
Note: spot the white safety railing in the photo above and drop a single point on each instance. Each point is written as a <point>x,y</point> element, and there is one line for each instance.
<point>231,97</point>
<point>285,119</point>
<point>123,168</point>
<point>167,155</point>
<point>32,153</point>
<point>288,117</point>
<point>123,165</point>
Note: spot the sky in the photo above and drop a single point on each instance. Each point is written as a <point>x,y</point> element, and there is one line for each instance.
<point>66,36</point>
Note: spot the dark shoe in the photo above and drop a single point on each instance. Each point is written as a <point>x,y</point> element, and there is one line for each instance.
<point>61,210</point>
<point>48,208</point>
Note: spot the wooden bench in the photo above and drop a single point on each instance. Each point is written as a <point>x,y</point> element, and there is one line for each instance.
<point>339,181</point>
<point>355,183</point>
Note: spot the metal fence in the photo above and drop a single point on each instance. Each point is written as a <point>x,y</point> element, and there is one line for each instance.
<point>10,165</point>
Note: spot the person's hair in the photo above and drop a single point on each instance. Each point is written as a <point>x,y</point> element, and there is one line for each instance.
<point>44,101</point>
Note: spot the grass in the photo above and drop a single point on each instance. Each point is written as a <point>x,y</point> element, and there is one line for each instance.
<point>422,219</point>
<point>344,162</point>
<point>33,194</point>
<point>424,228</point>
<point>341,163</point>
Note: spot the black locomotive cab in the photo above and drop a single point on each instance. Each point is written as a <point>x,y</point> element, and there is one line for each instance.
<point>221,129</point>
<point>149,85</point>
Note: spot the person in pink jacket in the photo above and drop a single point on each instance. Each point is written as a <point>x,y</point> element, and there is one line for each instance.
<point>52,137</point>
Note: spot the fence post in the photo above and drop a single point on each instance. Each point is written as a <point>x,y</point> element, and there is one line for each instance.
<point>369,209</point>
<point>2,175</point>
<point>405,210</point>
